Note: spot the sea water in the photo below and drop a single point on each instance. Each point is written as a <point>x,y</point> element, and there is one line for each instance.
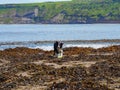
<point>26,35</point>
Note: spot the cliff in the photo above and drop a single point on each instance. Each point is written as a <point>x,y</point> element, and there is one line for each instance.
<point>67,12</point>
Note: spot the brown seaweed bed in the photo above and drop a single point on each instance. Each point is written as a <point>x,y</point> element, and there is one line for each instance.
<point>79,69</point>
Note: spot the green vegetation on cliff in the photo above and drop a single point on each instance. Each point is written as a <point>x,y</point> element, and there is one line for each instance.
<point>75,11</point>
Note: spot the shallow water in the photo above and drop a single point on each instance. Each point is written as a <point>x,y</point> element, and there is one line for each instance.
<point>48,45</point>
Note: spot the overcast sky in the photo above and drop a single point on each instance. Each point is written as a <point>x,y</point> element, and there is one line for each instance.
<point>25,1</point>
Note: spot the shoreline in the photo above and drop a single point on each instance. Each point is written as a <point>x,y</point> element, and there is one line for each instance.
<point>48,45</point>
<point>104,22</point>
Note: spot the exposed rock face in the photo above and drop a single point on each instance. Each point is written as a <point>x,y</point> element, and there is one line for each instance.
<point>58,18</point>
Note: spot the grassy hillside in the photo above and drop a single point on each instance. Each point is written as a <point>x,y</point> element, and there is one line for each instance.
<point>75,11</point>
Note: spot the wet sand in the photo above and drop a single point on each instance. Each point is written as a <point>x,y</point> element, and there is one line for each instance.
<point>79,69</point>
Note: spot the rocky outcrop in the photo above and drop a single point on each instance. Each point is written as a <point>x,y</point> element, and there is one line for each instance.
<point>74,12</point>
<point>27,69</point>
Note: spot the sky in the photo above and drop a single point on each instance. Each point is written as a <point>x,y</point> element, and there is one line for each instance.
<point>26,1</point>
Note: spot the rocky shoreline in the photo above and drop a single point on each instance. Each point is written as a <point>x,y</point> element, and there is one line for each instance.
<point>80,69</point>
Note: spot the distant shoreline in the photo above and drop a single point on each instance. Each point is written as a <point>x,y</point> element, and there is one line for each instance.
<point>101,22</point>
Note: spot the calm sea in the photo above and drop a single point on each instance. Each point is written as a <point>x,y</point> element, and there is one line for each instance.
<point>52,32</point>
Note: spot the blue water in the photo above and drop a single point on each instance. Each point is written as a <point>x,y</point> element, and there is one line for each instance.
<point>31,32</point>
